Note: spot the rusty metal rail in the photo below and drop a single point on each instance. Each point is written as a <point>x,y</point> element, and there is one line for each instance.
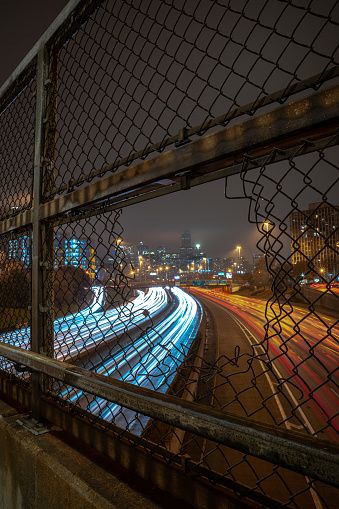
<point>302,454</point>
<point>209,158</point>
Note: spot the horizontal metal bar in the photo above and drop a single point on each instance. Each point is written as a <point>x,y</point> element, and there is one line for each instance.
<point>320,138</point>
<point>297,452</point>
<point>157,190</point>
<point>281,128</point>
<point>154,463</point>
<point>237,111</point>
<point>15,222</point>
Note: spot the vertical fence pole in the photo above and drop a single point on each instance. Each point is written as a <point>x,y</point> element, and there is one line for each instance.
<point>48,189</point>
<point>37,241</point>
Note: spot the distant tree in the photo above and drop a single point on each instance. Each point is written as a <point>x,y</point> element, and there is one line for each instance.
<point>15,284</point>
<point>261,276</point>
<point>302,270</point>
<point>282,275</point>
<point>72,289</point>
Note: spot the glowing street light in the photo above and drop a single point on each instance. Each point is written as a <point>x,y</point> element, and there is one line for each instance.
<point>239,251</point>
<point>267,226</point>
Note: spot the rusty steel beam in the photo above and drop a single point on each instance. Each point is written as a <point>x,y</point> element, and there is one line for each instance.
<point>16,222</point>
<point>37,241</point>
<point>314,117</point>
<point>214,157</point>
<point>306,455</point>
<point>184,134</point>
<point>157,189</point>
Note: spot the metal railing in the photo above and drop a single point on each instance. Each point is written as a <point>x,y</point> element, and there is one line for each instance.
<point>119,103</point>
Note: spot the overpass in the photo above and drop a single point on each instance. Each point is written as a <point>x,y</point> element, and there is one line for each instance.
<point>119,103</point>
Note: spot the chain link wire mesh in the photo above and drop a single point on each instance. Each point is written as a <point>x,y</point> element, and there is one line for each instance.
<point>15,296</point>
<point>288,374</point>
<point>296,213</point>
<point>138,77</point>
<point>105,325</point>
<point>17,116</point>
<point>134,79</point>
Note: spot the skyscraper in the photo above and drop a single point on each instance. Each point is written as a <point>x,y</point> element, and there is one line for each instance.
<point>75,252</point>
<point>19,249</point>
<point>186,252</point>
<point>315,235</point>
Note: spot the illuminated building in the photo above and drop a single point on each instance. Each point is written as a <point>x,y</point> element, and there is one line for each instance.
<point>19,249</point>
<point>315,237</point>
<point>186,253</point>
<point>92,263</point>
<point>74,252</point>
<point>130,253</point>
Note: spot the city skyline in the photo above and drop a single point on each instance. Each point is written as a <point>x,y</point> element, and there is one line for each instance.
<point>208,218</point>
<point>177,246</point>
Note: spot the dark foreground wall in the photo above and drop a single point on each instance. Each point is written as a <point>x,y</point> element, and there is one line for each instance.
<point>39,472</point>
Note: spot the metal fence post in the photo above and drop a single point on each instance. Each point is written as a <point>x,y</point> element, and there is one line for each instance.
<point>39,300</point>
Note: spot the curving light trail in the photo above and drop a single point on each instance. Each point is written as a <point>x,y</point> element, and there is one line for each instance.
<point>312,340</point>
<point>84,330</point>
<point>90,329</point>
<point>152,360</point>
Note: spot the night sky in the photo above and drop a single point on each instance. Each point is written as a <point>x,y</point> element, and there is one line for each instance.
<point>203,210</point>
<point>217,223</point>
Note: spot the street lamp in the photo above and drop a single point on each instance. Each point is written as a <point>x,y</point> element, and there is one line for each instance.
<point>267,226</point>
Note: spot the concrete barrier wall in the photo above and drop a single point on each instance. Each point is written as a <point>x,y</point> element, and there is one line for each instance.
<point>42,472</point>
<point>321,299</point>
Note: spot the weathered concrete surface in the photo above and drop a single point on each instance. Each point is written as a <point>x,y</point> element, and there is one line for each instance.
<point>40,472</point>
<point>321,299</point>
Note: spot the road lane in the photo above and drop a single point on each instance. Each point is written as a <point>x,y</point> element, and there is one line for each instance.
<point>301,355</point>
<point>83,332</point>
<point>244,387</point>
<point>151,362</point>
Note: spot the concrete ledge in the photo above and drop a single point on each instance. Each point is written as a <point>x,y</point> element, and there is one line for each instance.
<point>39,472</point>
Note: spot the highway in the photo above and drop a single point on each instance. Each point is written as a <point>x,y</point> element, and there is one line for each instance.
<point>245,384</point>
<point>302,349</point>
<point>150,361</point>
<point>84,331</point>
<point>130,349</point>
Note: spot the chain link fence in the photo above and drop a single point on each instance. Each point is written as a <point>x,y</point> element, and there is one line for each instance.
<point>17,147</point>
<point>137,78</point>
<point>15,297</point>
<point>125,81</point>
